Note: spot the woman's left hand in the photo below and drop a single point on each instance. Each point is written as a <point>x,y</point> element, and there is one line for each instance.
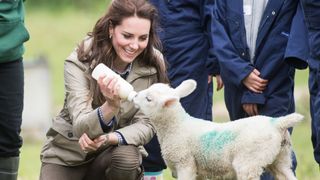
<point>88,145</point>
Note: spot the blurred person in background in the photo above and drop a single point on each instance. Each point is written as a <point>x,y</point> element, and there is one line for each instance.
<point>12,36</point>
<point>185,32</point>
<point>258,44</point>
<point>96,134</point>
<point>312,18</point>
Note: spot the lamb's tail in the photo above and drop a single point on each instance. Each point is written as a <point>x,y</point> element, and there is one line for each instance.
<point>288,121</point>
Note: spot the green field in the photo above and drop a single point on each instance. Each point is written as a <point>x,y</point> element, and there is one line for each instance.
<point>55,34</point>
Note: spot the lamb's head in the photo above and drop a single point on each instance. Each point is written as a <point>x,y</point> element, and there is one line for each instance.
<point>159,97</point>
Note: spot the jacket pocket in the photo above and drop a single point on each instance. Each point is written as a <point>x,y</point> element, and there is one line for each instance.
<point>67,150</point>
<point>13,34</point>
<point>12,30</point>
<point>64,144</point>
<point>7,26</point>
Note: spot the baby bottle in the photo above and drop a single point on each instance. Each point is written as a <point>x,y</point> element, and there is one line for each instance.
<point>125,89</point>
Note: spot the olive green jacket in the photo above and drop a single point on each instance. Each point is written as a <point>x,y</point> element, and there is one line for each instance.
<point>79,115</point>
<point>12,30</point>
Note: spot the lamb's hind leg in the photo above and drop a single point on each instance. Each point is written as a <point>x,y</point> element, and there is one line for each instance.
<point>283,173</point>
<point>281,168</point>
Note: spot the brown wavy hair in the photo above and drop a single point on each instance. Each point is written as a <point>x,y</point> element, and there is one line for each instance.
<point>101,50</point>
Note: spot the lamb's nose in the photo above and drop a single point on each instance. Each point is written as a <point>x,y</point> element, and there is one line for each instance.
<point>137,106</point>
<point>135,102</point>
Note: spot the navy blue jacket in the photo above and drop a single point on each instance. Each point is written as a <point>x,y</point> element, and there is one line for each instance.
<point>185,32</point>
<point>281,41</point>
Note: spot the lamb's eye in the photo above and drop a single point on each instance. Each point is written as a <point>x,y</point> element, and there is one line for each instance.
<point>148,99</point>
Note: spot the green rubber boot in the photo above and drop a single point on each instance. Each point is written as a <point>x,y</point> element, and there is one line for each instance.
<point>9,168</point>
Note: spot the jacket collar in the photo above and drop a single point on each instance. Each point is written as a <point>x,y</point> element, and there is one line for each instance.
<point>139,71</point>
<point>269,15</point>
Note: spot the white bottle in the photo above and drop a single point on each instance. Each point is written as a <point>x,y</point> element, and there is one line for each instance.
<point>125,91</point>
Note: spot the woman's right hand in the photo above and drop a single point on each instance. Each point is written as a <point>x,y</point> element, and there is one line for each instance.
<point>88,145</point>
<point>254,83</point>
<point>109,87</point>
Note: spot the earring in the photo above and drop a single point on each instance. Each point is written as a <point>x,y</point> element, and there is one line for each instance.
<point>110,36</point>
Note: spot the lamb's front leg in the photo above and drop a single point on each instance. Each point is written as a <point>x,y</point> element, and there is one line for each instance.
<point>187,171</point>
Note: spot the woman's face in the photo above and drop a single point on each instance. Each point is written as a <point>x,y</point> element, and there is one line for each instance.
<point>130,38</point>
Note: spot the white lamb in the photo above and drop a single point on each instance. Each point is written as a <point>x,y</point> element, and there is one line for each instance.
<point>195,148</point>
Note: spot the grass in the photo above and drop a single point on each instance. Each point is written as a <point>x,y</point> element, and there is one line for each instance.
<point>307,167</point>
<point>55,34</point>
<point>30,160</point>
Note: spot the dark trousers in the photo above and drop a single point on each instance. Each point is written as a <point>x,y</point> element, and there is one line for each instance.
<point>11,106</point>
<point>114,163</point>
<point>314,88</point>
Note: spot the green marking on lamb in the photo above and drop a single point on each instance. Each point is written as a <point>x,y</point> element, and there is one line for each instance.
<point>216,140</point>
<point>273,120</point>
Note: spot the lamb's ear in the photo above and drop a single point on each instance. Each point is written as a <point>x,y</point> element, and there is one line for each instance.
<point>186,88</point>
<point>169,102</point>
